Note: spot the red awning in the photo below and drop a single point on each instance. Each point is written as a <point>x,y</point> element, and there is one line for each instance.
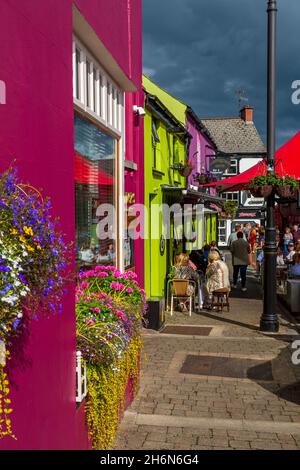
<point>287,162</point>
<point>87,172</point>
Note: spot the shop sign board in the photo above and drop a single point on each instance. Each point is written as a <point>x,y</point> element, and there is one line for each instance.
<point>219,165</point>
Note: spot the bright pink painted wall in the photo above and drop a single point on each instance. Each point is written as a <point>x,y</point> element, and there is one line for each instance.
<point>36,129</point>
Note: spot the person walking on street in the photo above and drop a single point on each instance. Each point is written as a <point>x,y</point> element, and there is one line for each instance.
<point>240,250</point>
<point>233,236</point>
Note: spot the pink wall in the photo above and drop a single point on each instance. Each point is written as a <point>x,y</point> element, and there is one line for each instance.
<point>37,130</point>
<point>134,179</point>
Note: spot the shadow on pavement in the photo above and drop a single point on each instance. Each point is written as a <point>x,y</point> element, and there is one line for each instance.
<point>286,383</point>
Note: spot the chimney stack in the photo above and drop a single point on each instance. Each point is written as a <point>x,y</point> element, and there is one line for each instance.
<point>247,113</point>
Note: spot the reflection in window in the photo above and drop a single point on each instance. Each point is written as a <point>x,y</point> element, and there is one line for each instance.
<point>95,154</point>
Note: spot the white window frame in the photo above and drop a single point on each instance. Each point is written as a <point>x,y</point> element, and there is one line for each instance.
<point>115,125</point>
<point>97,108</point>
<point>233,163</point>
<point>226,198</point>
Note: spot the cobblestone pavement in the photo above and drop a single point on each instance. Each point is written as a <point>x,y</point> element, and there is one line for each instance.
<point>176,410</point>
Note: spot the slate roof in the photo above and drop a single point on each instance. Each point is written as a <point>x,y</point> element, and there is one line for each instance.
<point>234,135</point>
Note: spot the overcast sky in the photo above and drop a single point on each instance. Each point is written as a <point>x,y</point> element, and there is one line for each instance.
<point>203,51</point>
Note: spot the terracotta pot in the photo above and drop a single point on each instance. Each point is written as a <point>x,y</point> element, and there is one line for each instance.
<point>284,191</point>
<point>261,191</point>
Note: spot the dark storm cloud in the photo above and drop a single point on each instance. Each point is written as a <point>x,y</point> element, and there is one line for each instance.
<point>203,51</point>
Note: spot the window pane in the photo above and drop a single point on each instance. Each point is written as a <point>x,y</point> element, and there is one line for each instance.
<point>94,87</point>
<point>100,96</point>
<point>95,158</point>
<point>108,110</point>
<point>87,79</point>
<point>77,75</point>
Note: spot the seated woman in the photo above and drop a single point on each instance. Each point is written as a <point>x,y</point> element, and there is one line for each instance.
<point>182,270</point>
<point>217,276</point>
<point>214,247</point>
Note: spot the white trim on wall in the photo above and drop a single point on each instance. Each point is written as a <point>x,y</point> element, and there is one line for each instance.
<point>99,95</point>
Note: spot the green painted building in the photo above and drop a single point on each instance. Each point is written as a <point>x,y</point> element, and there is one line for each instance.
<point>165,145</point>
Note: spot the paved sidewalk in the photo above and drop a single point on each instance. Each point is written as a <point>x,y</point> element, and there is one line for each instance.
<point>194,395</point>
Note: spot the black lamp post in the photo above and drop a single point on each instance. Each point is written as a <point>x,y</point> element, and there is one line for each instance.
<point>269,320</point>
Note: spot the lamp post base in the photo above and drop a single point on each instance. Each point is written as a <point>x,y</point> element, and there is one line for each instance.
<point>269,324</point>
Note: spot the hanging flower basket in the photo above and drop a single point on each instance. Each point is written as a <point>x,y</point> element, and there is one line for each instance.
<point>229,210</point>
<point>260,191</point>
<point>262,186</point>
<point>285,192</point>
<point>286,187</point>
<point>225,215</point>
<point>184,169</point>
<point>202,179</point>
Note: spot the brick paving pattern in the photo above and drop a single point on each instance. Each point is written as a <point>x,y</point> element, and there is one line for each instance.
<point>177,411</point>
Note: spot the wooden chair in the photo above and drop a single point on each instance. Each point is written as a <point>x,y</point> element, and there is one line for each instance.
<point>180,290</point>
<point>220,299</point>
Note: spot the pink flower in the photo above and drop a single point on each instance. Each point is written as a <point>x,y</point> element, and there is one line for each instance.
<point>129,290</point>
<point>117,286</point>
<point>109,305</point>
<point>117,273</point>
<point>102,274</point>
<point>102,294</point>
<point>84,284</point>
<point>90,322</point>
<point>79,291</point>
<point>76,298</point>
<point>120,315</point>
<point>96,309</point>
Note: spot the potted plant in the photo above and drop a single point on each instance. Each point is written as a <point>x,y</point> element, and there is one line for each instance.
<point>262,186</point>
<point>184,169</point>
<point>286,187</point>
<point>229,210</point>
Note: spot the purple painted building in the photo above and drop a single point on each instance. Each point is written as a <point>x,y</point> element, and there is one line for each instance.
<point>202,148</point>
<point>60,59</point>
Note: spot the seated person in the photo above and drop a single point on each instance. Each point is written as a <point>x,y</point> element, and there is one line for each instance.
<point>217,276</point>
<point>279,258</point>
<point>182,270</point>
<point>111,252</point>
<point>295,269</point>
<point>86,253</point>
<point>291,252</point>
<point>197,259</point>
<point>214,247</point>
<point>206,251</point>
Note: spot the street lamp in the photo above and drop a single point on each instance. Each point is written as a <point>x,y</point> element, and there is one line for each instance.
<point>269,320</point>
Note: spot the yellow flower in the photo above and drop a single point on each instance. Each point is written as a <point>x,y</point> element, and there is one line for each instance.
<point>39,247</point>
<point>14,231</point>
<point>29,248</point>
<point>22,239</point>
<point>28,230</point>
